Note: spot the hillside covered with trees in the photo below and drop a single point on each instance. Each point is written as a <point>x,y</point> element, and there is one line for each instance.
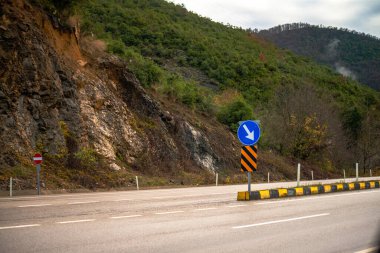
<point>109,89</point>
<point>353,54</point>
<point>308,111</point>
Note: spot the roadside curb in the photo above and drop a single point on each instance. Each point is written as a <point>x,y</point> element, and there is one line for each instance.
<point>306,190</point>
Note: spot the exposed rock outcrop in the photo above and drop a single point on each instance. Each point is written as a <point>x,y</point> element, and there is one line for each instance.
<point>56,99</point>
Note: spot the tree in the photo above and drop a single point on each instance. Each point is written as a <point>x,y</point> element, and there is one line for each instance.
<point>234,112</point>
<point>302,124</point>
<point>369,139</point>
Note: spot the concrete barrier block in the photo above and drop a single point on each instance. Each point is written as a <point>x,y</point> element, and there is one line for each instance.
<point>314,189</point>
<point>306,190</point>
<point>299,191</point>
<point>243,196</point>
<point>255,195</point>
<point>264,194</point>
<point>273,194</point>
<point>292,192</point>
<point>282,193</point>
<point>339,187</point>
<point>321,189</point>
<point>327,188</point>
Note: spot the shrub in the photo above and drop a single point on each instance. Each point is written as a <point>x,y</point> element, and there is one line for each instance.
<point>234,112</point>
<point>87,157</point>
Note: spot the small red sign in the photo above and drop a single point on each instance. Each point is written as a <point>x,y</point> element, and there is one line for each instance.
<point>37,158</point>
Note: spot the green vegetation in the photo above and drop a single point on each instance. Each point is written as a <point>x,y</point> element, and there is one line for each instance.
<point>308,111</point>
<point>348,52</point>
<point>234,112</point>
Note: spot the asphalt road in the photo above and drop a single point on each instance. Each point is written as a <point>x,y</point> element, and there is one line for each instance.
<point>202,219</point>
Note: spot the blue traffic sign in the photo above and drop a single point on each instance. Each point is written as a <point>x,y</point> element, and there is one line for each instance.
<point>248,132</point>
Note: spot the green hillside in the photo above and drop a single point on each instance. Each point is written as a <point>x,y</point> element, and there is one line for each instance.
<point>308,111</point>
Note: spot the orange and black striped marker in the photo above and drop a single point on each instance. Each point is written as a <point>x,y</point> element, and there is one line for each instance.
<point>249,158</point>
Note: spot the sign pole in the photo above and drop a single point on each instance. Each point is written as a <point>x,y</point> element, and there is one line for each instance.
<point>249,183</point>
<point>248,133</point>
<point>37,159</point>
<point>38,178</point>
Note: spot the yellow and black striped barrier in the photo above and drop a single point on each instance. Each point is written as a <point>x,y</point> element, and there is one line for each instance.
<point>306,190</point>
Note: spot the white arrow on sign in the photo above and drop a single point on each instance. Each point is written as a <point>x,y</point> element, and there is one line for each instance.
<point>250,135</point>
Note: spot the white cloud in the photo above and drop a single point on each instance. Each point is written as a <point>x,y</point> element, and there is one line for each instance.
<point>359,15</point>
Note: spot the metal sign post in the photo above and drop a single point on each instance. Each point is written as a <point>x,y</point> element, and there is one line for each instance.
<point>249,183</point>
<point>37,158</point>
<point>38,178</point>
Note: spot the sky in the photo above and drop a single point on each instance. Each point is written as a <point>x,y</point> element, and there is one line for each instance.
<point>358,15</point>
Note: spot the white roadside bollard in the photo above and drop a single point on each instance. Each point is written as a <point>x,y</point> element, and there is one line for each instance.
<point>268,177</point>
<point>216,179</point>
<point>298,174</point>
<point>357,172</point>
<point>137,183</point>
<point>10,187</point>
<point>312,176</point>
<point>344,175</point>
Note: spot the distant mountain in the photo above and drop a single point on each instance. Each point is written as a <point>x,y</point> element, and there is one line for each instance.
<point>350,53</point>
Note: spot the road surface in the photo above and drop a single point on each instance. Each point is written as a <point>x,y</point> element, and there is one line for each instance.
<point>202,219</point>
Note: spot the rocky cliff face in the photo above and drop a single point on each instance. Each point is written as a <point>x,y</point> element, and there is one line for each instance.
<point>76,106</point>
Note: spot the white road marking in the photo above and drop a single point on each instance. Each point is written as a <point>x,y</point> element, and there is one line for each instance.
<point>170,212</point>
<point>118,200</point>
<point>82,202</point>
<point>205,209</point>
<point>281,221</point>
<point>236,206</point>
<point>370,250</point>
<point>37,205</point>
<point>167,197</point>
<point>21,226</point>
<point>129,216</point>
<point>74,221</point>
